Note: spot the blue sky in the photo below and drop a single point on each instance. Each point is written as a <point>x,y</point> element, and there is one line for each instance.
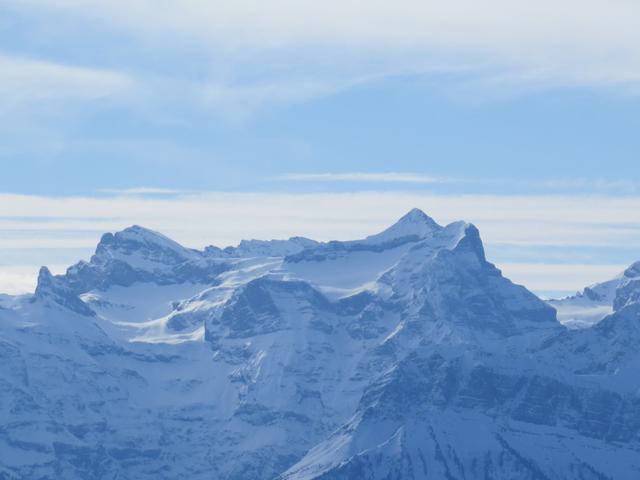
<point>519,116</point>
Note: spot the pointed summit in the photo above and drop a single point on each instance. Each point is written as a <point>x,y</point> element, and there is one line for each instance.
<point>415,224</point>
<point>417,217</point>
<point>416,213</point>
<point>633,271</point>
<point>53,289</point>
<point>45,281</point>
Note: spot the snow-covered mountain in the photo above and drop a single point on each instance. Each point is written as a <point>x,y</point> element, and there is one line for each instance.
<point>405,355</point>
<point>595,302</point>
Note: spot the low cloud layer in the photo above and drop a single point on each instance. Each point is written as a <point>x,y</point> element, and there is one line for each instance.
<point>514,228</point>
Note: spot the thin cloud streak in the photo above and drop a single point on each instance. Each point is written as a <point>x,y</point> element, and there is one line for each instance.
<point>143,191</point>
<point>386,177</point>
<point>545,186</point>
<point>25,81</point>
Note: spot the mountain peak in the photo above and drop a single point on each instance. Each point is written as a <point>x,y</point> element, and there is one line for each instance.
<point>633,271</point>
<point>414,223</point>
<point>146,235</point>
<point>415,214</point>
<point>53,289</point>
<point>137,238</point>
<point>45,280</point>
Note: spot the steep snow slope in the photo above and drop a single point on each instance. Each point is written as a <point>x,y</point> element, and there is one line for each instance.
<point>402,355</point>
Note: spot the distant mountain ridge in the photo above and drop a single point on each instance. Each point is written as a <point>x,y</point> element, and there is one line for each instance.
<point>403,355</point>
<point>595,302</point>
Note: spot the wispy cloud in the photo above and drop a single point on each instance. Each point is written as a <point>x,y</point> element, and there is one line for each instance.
<point>142,191</point>
<point>564,185</point>
<point>238,101</point>
<point>385,177</point>
<point>26,80</point>
<point>591,42</point>
<point>256,56</point>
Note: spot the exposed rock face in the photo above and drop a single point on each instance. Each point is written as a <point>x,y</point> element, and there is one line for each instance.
<point>140,255</point>
<point>405,355</point>
<point>55,290</point>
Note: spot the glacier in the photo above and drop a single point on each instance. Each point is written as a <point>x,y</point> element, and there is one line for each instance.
<point>403,355</point>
